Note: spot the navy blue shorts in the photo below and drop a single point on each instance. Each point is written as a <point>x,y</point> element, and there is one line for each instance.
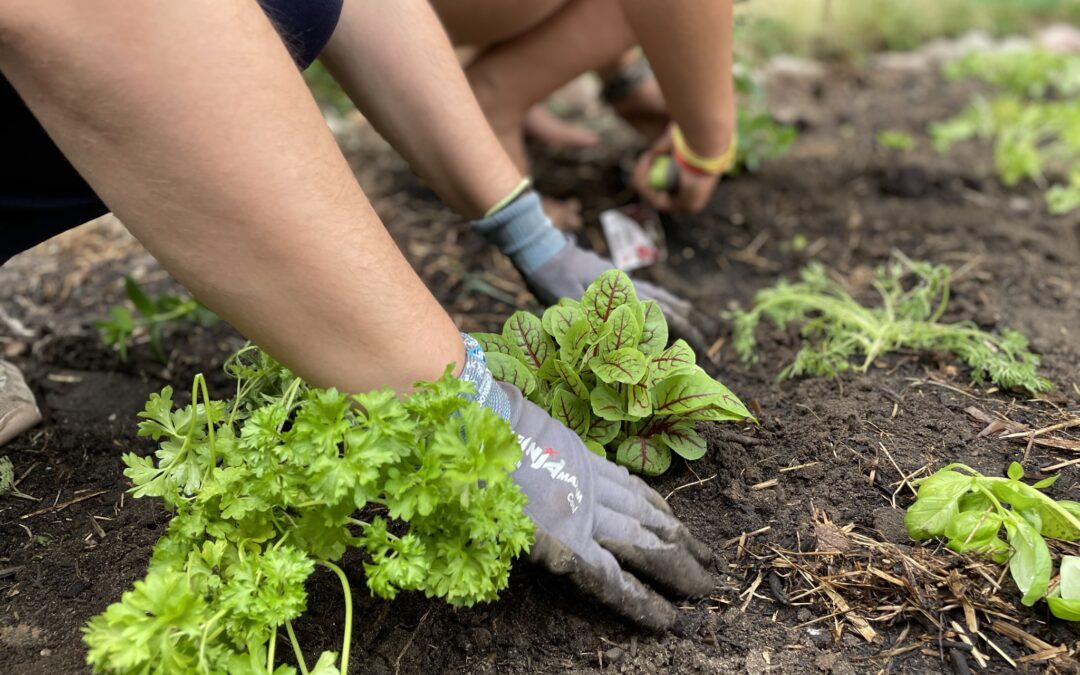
<point>42,195</point>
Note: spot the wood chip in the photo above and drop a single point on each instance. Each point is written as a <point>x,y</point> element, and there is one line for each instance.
<point>764,485</point>
<point>67,378</point>
<point>799,466</point>
<point>59,507</point>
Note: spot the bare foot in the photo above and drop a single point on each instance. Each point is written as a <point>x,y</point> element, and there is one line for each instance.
<point>544,126</point>
<point>565,214</point>
<point>644,109</point>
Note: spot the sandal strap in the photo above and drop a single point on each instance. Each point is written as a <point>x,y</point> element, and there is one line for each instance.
<point>627,79</point>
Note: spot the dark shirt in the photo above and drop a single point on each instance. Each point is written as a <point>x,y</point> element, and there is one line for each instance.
<point>41,194</point>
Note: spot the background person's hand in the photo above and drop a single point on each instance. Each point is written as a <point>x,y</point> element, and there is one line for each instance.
<point>601,526</point>
<point>694,189</point>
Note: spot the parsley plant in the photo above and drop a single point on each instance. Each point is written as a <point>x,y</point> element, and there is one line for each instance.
<point>279,480</point>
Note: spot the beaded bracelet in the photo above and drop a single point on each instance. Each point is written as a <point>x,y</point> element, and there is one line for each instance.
<point>707,166</point>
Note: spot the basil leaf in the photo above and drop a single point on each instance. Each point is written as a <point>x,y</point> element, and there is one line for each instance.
<point>1069,610</point>
<point>1015,472</point>
<point>937,504</point>
<point>1030,564</point>
<point>1069,585</point>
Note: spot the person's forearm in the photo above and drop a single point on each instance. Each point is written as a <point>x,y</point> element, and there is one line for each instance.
<point>190,121</point>
<point>396,63</point>
<point>689,47</point>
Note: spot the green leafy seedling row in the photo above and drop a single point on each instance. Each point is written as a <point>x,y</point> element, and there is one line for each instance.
<point>269,485</point>
<point>603,368</point>
<point>1030,129</point>
<point>970,511</point>
<point>839,329</point>
<point>760,136</point>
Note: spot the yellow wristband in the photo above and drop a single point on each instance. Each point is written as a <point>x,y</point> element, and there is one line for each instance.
<point>514,194</point>
<point>713,166</point>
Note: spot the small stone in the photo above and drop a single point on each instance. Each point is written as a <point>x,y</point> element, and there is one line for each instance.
<point>481,639</point>
<point>1021,204</point>
<point>75,589</point>
<point>614,655</point>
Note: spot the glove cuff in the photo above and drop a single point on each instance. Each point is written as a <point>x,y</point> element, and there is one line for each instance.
<point>522,231</point>
<point>476,371</point>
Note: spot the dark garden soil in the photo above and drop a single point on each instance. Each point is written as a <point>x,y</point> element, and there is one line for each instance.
<point>827,451</point>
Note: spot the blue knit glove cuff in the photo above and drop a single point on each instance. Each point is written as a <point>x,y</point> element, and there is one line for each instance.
<point>523,231</point>
<point>476,371</point>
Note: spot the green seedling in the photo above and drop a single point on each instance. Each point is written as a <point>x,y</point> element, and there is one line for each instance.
<point>603,368</point>
<point>268,486</point>
<point>760,136</point>
<point>1031,131</point>
<point>7,481</point>
<point>840,329</point>
<point>895,140</point>
<point>152,314</point>
<point>1033,74</point>
<point>970,511</point>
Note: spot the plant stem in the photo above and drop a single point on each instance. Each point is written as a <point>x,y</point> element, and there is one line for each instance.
<point>270,651</point>
<point>296,648</point>
<point>348,612</point>
<point>209,422</point>
<point>202,642</point>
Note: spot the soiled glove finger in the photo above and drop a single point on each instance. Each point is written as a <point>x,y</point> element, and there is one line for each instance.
<point>598,573</point>
<point>568,488</point>
<point>570,271</point>
<point>669,563</point>
<point>639,501</point>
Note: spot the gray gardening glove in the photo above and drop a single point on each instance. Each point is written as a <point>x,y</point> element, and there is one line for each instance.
<point>572,269</point>
<point>555,267</point>
<point>600,525</point>
<point>18,411</point>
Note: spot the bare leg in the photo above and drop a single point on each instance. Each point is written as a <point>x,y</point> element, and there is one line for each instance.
<point>231,179</point>
<point>548,128</point>
<point>534,48</point>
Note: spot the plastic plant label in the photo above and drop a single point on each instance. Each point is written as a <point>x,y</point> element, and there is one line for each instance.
<point>629,232</point>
